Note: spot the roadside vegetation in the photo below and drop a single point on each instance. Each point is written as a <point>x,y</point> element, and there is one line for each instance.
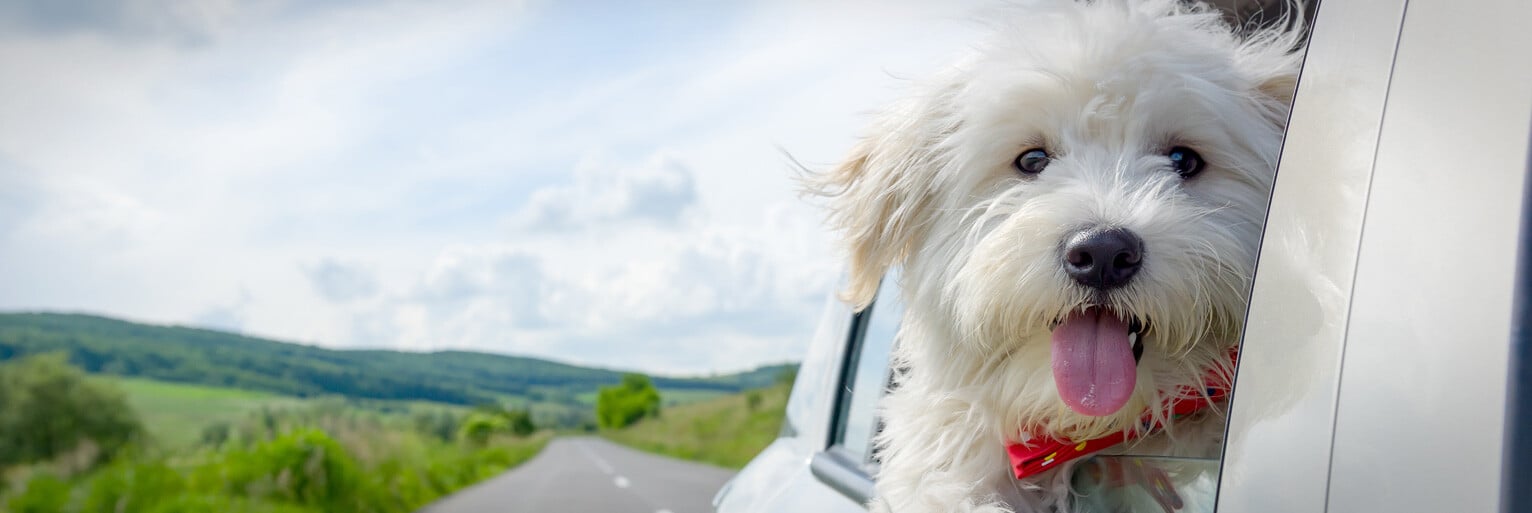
<point>75,443</point>
<point>726,431</point>
<point>102,415</point>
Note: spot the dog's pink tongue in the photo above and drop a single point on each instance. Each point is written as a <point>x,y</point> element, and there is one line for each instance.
<point>1093,364</point>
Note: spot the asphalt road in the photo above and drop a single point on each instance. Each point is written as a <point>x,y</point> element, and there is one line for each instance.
<point>587,474</point>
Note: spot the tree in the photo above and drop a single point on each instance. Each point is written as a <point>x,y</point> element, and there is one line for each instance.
<point>480,426</point>
<point>622,405</point>
<point>48,408</point>
<point>488,420</point>
<point>520,422</point>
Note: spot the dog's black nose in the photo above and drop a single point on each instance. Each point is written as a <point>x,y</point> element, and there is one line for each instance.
<point>1103,258</point>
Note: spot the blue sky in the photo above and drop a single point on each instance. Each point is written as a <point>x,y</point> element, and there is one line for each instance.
<point>594,182</point>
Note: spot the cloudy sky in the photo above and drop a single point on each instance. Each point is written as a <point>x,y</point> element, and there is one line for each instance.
<point>593,182</point>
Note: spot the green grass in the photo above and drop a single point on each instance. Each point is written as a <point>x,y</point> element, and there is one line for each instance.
<point>176,413</point>
<point>724,431</point>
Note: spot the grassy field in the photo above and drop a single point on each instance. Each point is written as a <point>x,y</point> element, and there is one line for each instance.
<point>176,413</point>
<point>727,431</point>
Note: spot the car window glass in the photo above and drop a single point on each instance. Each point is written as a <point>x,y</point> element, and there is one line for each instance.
<point>868,378</point>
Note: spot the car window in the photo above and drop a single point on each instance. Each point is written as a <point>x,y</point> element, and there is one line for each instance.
<point>1154,478</point>
<point>867,372</point>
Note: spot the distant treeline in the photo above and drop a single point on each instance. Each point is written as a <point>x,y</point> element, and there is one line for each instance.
<point>190,355</point>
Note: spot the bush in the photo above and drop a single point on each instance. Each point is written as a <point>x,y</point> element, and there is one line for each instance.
<point>48,408</point>
<point>44,493</point>
<point>479,427</point>
<point>216,434</point>
<point>225,504</point>
<point>441,424</point>
<point>304,467</point>
<point>622,405</point>
<point>125,487</point>
<point>491,420</point>
<point>753,400</point>
<point>521,422</point>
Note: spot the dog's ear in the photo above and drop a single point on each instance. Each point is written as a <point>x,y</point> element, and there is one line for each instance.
<point>879,199</point>
<point>1272,58</point>
<point>1279,85</point>
<point>1272,74</point>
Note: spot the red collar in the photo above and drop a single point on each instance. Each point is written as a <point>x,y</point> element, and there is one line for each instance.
<point>1032,458</point>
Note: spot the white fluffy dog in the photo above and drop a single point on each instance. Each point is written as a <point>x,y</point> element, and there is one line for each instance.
<point>1076,207</point>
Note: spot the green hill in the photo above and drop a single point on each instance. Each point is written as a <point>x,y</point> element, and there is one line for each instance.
<point>205,357</point>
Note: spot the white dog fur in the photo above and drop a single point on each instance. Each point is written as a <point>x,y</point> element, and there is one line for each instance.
<point>1106,87</point>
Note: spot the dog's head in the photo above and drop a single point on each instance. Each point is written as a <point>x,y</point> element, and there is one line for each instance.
<point>1085,192</point>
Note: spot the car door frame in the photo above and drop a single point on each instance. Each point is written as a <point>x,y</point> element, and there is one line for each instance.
<point>833,465</point>
<point>1332,409</point>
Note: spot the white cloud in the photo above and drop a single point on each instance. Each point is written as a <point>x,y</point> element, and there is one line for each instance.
<point>464,275</point>
<point>703,277</point>
<point>18,197</point>
<point>230,143</point>
<point>186,22</point>
<point>146,159</point>
<point>691,297</point>
<point>227,317</point>
<point>340,282</point>
<point>657,191</point>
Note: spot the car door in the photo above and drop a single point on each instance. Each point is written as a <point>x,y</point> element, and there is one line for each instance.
<point>823,460</point>
<point>1374,367</point>
<point>1382,367</point>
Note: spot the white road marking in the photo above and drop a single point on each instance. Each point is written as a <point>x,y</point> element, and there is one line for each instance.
<point>606,468</point>
<point>621,482</point>
<point>663,511</point>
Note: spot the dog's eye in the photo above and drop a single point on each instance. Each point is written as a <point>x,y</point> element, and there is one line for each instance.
<point>1185,161</point>
<point>1032,161</point>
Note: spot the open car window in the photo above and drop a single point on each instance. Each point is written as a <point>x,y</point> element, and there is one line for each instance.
<point>867,375</point>
<point>848,462</point>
